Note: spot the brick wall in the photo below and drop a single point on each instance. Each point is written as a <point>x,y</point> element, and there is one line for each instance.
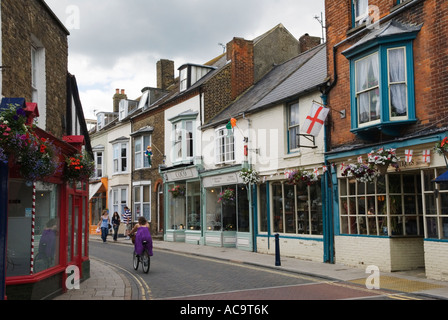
<point>241,53</point>
<point>385,253</point>
<point>217,93</point>
<point>156,120</point>
<point>21,19</point>
<point>430,63</point>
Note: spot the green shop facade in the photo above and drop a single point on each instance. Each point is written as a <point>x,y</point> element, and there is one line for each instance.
<point>208,207</point>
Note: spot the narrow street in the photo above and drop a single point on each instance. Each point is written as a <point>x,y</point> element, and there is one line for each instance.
<point>179,276</point>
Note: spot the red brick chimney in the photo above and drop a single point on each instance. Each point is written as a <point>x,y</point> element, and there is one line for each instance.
<point>241,54</point>
<point>117,98</point>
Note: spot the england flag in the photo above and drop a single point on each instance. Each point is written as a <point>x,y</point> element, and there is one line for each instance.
<point>314,122</point>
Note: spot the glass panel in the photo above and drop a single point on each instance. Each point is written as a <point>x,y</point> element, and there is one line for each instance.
<point>444,203</point>
<point>290,220</point>
<point>316,209</point>
<point>194,206</point>
<point>243,209</point>
<point>262,208</point>
<point>213,209</point>
<point>431,226</point>
<point>229,212</point>
<point>444,228</point>
<point>177,209</point>
<point>277,207</point>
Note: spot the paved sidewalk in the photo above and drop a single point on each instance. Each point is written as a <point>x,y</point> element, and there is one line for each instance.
<point>108,283</point>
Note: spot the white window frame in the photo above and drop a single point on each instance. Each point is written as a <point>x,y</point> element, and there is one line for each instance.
<point>118,158</point>
<point>38,79</point>
<point>139,199</point>
<point>297,125</point>
<point>99,171</point>
<point>360,17</point>
<point>224,146</point>
<point>119,198</point>
<point>140,159</point>
<point>183,141</point>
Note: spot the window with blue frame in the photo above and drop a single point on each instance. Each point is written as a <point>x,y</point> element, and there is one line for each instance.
<point>382,81</point>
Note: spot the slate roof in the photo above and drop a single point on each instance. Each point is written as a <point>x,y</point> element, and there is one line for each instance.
<point>286,81</point>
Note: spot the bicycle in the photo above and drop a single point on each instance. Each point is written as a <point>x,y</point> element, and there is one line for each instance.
<point>144,258</point>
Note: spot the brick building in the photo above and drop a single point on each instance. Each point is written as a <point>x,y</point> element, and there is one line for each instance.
<point>388,62</point>
<point>35,81</point>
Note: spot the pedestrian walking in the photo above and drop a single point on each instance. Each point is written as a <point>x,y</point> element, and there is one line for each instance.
<point>115,224</point>
<point>104,225</point>
<point>127,220</point>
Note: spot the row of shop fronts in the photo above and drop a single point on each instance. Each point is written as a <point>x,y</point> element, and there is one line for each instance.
<point>399,221</point>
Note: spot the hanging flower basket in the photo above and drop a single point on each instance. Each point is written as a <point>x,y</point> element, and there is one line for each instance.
<point>227,196</point>
<point>34,156</point>
<point>299,176</point>
<point>177,191</point>
<point>441,147</point>
<point>361,172</point>
<point>78,167</point>
<point>249,176</point>
<point>383,158</point>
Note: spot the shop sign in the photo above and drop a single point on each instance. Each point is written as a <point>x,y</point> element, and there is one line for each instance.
<point>224,179</point>
<point>183,174</point>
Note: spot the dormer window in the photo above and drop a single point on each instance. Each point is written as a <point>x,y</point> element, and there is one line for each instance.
<point>189,74</point>
<point>126,107</point>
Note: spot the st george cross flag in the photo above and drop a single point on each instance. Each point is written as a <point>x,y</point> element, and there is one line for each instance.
<point>408,155</point>
<point>314,122</point>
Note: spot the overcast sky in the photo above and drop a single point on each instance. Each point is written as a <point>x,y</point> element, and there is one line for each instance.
<point>115,44</point>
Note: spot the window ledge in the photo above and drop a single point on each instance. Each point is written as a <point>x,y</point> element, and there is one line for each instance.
<point>391,128</point>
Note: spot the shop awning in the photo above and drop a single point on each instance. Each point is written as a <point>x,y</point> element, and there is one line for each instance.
<point>443,178</point>
<point>93,189</point>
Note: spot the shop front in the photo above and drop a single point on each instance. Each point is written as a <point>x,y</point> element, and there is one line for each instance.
<point>294,211</point>
<point>227,219</point>
<point>394,218</point>
<point>43,211</point>
<point>183,205</point>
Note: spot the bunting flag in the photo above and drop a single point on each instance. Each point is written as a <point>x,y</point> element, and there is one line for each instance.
<point>314,122</point>
<point>408,155</point>
<point>316,171</point>
<point>427,156</point>
<point>360,159</point>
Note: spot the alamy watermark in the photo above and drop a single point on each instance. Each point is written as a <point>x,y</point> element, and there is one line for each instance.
<point>373,280</point>
<point>73,278</point>
<point>73,17</point>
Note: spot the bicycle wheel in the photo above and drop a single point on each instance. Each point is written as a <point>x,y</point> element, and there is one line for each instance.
<point>135,261</point>
<point>145,261</point>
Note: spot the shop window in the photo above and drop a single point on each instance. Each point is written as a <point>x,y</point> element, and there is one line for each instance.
<point>176,206</point>
<point>436,205</point>
<point>262,207</point>
<point>46,229</point>
<point>297,209</point>
<point>390,206</point>
<point>227,214</point>
<point>194,206</point>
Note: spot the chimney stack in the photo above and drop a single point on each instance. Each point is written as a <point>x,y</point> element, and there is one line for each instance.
<point>117,98</point>
<point>165,74</point>
<point>307,42</point>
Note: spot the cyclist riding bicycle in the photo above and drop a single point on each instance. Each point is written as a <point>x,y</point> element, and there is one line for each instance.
<point>142,234</point>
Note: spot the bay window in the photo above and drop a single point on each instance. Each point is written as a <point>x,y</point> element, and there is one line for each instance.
<point>382,80</point>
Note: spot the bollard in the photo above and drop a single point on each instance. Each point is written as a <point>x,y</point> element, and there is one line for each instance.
<point>277,250</point>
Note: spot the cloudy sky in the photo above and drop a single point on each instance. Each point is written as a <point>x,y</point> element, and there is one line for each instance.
<point>116,43</point>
